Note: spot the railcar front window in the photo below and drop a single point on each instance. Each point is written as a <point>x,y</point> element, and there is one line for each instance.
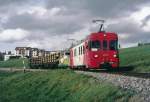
<point>105,45</point>
<point>113,45</point>
<point>94,44</point>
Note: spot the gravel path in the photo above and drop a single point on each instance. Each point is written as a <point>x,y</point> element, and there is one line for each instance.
<point>139,85</point>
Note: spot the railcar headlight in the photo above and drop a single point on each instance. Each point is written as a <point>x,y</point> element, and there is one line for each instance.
<point>94,49</point>
<point>115,55</point>
<point>95,56</point>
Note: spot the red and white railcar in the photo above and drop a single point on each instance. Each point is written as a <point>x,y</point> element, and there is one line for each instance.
<point>98,50</point>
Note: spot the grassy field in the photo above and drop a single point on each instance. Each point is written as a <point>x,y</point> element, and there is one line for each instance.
<point>58,86</point>
<point>137,58</point>
<point>15,63</point>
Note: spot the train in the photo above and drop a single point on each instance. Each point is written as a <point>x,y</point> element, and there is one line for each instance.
<point>98,50</point>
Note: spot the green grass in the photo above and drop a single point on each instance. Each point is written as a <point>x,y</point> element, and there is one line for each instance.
<point>14,63</point>
<point>58,86</point>
<point>137,57</point>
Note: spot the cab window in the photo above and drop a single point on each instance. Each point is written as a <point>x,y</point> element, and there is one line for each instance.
<point>94,44</point>
<point>113,45</point>
<point>104,44</point>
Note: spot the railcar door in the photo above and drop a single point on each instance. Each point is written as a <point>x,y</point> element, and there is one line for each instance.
<point>71,58</point>
<point>105,54</point>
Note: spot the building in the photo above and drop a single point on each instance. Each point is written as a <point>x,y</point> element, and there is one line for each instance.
<point>9,55</point>
<point>41,52</point>
<point>6,57</point>
<point>31,52</point>
<point>22,51</point>
<point>34,52</point>
<point>28,52</point>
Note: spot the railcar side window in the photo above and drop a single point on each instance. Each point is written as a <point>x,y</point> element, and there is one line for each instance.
<point>113,45</point>
<point>79,50</point>
<point>104,44</point>
<point>94,44</point>
<point>75,52</point>
<point>67,53</point>
<point>83,49</point>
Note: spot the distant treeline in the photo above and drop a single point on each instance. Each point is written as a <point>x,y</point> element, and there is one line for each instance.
<point>142,44</point>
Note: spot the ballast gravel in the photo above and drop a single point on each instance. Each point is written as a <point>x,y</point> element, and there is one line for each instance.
<point>139,85</point>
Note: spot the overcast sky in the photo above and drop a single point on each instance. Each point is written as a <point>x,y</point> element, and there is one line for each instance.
<point>49,23</point>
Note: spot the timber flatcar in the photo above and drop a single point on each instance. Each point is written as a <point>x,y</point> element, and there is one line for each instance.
<point>49,61</point>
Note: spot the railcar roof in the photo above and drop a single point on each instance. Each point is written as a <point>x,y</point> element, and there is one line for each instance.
<point>102,33</point>
<point>92,34</point>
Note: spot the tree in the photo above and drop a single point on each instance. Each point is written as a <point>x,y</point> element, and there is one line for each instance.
<point>1,56</point>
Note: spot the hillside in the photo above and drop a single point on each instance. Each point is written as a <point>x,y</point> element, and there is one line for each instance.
<point>137,58</point>
<point>57,86</point>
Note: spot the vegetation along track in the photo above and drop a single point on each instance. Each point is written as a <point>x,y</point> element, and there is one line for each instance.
<point>139,85</point>
<point>138,82</point>
<point>124,73</point>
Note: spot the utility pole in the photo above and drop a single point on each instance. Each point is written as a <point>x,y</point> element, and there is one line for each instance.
<point>24,67</point>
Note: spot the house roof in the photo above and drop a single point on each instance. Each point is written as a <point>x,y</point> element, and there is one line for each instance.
<point>22,48</point>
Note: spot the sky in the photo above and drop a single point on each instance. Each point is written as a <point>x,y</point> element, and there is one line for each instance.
<point>49,24</point>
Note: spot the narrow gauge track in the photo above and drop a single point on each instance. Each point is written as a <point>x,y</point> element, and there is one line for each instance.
<point>133,74</point>
<point>124,73</point>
